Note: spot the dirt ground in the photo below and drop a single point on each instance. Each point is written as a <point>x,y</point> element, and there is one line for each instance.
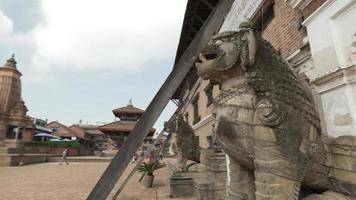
<point>49,181</point>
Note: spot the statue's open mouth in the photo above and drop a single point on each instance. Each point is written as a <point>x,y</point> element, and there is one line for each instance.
<point>207,56</point>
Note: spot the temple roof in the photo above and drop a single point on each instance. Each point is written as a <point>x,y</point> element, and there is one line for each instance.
<point>121,126</point>
<point>129,109</point>
<point>94,132</point>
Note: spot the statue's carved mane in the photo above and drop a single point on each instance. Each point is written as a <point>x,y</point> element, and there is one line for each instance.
<point>267,122</point>
<point>272,77</point>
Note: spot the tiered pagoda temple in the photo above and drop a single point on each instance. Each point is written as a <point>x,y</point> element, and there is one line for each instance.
<point>119,130</point>
<point>13,120</point>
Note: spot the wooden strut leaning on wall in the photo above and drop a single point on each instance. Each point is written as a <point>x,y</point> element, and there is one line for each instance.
<point>119,163</point>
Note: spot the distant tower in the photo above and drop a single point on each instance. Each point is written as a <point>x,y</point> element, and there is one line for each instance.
<point>12,108</point>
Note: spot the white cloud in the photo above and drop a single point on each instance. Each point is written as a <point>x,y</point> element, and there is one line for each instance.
<point>6,24</point>
<point>110,34</point>
<point>9,40</point>
<point>15,42</point>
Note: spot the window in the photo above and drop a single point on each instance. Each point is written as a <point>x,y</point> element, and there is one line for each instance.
<point>196,117</point>
<point>12,131</point>
<point>186,117</point>
<point>266,14</point>
<point>209,95</point>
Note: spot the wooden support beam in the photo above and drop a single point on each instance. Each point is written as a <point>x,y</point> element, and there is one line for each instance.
<point>133,171</point>
<point>119,163</point>
<point>207,3</point>
<point>199,19</point>
<point>192,29</point>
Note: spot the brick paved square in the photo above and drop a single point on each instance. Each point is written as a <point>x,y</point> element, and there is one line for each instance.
<point>49,181</point>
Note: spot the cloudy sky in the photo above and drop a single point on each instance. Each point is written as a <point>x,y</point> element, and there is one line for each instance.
<point>80,59</point>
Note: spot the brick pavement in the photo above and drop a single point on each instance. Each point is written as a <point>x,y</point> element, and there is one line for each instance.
<point>49,181</point>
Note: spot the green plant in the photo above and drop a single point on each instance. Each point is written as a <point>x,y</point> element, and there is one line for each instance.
<point>74,144</point>
<point>150,167</point>
<point>23,150</point>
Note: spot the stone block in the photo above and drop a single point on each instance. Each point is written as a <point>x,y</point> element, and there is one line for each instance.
<point>17,159</point>
<point>343,175</point>
<point>7,150</point>
<point>204,190</point>
<point>181,187</point>
<point>344,162</point>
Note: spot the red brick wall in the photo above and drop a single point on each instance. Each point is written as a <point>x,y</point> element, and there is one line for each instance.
<point>283,30</point>
<point>51,150</point>
<point>27,135</point>
<point>313,6</point>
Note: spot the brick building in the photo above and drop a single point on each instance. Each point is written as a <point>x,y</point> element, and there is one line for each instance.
<point>101,141</point>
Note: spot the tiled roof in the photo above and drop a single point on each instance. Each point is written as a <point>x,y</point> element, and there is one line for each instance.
<point>121,126</point>
<point>77,130</point>
<point>94,132</point>
<point>128,109</point>
<point>44,129</point>
<point>62,130</point>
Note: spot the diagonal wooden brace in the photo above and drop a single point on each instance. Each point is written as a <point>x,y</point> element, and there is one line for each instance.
<point>119,163</point>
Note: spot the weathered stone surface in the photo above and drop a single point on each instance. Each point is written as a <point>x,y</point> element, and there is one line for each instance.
<point>267,123</point>
<point>181,186</point>
<point>204,189</point>
<point>329,196</point>
<point>184,144</point>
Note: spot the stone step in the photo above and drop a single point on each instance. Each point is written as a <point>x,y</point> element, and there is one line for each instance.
<point>17,159</point>
<point>7,150</point>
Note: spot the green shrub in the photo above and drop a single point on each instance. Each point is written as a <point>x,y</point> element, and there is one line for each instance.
<point>74,144</point>
<point>23,150</point>
<point>150,167</point>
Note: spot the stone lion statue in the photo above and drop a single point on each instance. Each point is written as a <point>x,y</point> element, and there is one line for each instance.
<point>266,121</point>
<point>184,144</point>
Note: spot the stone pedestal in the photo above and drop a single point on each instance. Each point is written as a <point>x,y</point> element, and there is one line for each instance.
<point>7,156</point>
<point>13,143</point>
<point>217,173</point>
<point>181,186</point>
<point>204,189</point>
<point>213,185</point>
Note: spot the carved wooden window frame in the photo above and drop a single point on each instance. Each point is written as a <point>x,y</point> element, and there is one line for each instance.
<point>195,104</point>
<point>209,92</point>
<point>264,15</point>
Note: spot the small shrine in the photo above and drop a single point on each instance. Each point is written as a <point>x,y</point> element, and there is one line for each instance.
<point>119,130</point>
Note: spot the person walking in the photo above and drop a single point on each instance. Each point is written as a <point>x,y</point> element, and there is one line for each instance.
<point>64,157</point>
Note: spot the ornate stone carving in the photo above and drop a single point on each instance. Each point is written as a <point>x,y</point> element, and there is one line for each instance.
<point>18,110</point>
<point>267,123</point>
<point>184,144</point>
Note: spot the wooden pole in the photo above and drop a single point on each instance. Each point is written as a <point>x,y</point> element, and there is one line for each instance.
<point>138,164</point>
<point>119,163</point>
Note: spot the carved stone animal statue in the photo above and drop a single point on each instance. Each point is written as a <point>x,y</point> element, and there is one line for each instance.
<point>184,144</point>
<point>266,121</point>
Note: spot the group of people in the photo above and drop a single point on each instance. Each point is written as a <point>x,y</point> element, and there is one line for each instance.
<point>151,156</point>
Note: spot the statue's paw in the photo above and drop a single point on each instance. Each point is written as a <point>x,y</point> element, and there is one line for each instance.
<point>329,195</point>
